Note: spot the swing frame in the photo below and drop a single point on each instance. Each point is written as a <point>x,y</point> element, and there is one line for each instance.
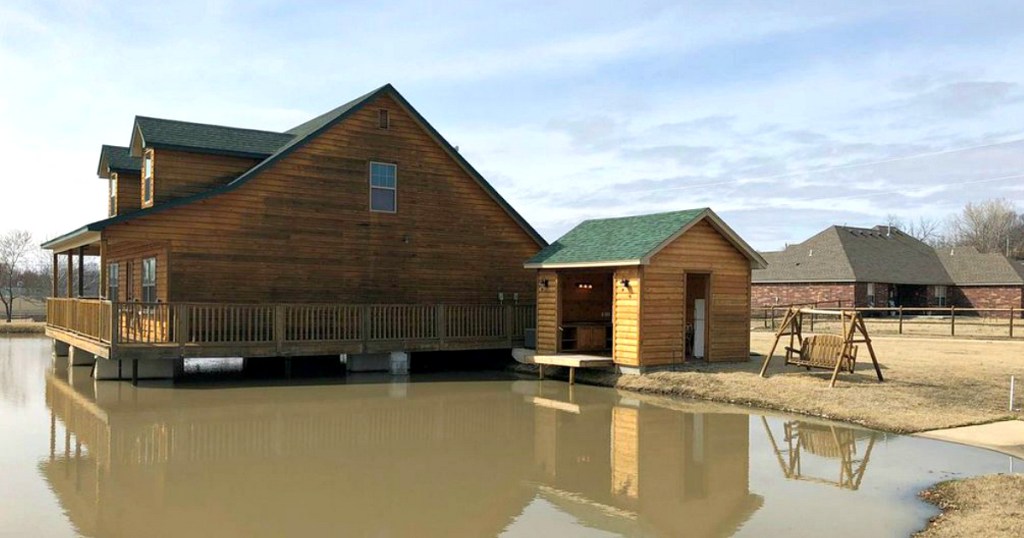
<point>853,332</point>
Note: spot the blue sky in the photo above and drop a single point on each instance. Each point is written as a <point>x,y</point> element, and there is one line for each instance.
<point>784,117</point>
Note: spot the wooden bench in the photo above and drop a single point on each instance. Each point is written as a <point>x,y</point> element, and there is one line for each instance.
<point>822,351</point>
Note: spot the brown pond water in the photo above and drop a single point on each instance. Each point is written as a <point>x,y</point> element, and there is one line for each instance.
<point>442,455</point>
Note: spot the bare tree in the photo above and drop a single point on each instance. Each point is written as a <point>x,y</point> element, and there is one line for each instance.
<point>924,229</point>
<point>15,247</point>
<point>991,226</point>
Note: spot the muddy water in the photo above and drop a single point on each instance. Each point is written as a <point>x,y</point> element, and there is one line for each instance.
<point>441,455</point>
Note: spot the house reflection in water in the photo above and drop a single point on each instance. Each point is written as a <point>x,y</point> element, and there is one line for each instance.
<point>425,459</point>
<point>849,448</point>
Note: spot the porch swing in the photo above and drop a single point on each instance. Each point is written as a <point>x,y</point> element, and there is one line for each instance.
<point>836,352</point>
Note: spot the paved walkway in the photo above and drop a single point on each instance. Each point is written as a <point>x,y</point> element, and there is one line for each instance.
<point>1006,436</point>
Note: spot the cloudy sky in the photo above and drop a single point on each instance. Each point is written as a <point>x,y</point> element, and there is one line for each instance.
<point>784,117</point>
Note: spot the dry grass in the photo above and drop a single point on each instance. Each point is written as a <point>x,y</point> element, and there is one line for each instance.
<point>930,384</point>
<point>22,327</point>
<point>986,506</point>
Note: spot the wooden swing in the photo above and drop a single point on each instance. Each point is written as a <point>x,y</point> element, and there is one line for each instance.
<point>827,351</point>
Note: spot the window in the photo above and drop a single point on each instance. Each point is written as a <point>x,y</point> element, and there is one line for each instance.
<point>112,209</point>
<point>383,119</point>
<point>383,187</point>
<point>147,178</point>
<point>113,281</point>
<point>871,294</point>
<point>940,295</point>
<point>149,280</point>
<point>129,281</point>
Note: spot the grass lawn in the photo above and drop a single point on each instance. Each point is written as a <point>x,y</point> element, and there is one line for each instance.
<point>19,326</point>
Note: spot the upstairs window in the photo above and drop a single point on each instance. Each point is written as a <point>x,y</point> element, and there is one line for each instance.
<point>113,282</point>
<point>112,207</point>
<point>147,178</point>
<point>383,119</point>
<point>383,187</point>
<point>940,295</point>
<point>149,280</point>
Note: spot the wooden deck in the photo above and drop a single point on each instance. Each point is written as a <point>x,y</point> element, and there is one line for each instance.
<point>572,361</point>
<point>187,330</point>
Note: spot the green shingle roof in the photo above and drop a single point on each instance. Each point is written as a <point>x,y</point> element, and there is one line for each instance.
<point>115,158</point>
<point>623,239</point>
<point>212,138</point>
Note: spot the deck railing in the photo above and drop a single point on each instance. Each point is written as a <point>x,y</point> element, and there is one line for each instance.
<point>90,318</point>
<point>222,324</point>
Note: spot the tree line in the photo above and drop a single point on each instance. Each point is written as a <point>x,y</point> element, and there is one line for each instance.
<point>26,271</point>
<point>990,226</point>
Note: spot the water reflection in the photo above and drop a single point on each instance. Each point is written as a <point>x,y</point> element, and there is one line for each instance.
<point>849,449</point>
<point>437,459</point>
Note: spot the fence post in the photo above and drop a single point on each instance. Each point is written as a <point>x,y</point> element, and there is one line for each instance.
<point>442,325</point>
<point>181,326</point>
<point>773,318</point>
<point>812,319</point>
<point>952,320</point>
<point>507,322</point>
<point>901,319</point>
<point>365,327</point>
<point>280,311</point>
<point>1011,321</point>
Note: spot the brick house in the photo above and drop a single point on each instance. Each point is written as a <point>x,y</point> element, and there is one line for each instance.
<point>883,266</point>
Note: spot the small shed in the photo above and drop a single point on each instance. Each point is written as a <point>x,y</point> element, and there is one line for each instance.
<point>647,291</point>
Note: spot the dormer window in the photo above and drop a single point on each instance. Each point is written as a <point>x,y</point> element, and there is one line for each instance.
<point>383,187</point>
<point>383,119</point>
<point>147,178</point>
<point>112,205</point>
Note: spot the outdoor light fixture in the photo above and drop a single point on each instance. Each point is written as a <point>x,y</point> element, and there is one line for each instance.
<point>584,285</point>
<point>625,282</point>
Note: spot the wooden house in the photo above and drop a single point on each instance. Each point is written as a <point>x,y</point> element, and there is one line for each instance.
<point>648,291</point>
<point>360,231</point>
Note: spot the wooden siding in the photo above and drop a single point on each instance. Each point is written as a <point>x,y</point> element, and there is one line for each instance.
<point>179,173</point>
<point>129,197</point>
<point>700,250</point>
<point>301,231</point>
<point>626,311</point>
<point>548,319</point>
<point>135,251</point>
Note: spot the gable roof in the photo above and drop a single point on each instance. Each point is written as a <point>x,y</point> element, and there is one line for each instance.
<point>297,137</point>
<point>629,240</point>
<point>116,159</point>
<point>879,254</point>
<point>188,136</point>
<point>967,266</point>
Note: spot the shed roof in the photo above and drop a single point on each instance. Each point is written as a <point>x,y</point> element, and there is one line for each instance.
<point>628,240</point>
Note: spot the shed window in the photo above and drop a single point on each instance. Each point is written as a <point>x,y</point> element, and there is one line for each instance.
<point>113,282</point>
<point>383,119</point>
<point>940,295</point>
<point>147,178</point>
<point>149,280</point>
<point>112,205</point>
<point>871,294</point>
<point>383,187</point>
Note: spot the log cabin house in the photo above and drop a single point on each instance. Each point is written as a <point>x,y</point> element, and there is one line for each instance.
<point>648,291</point>
<point>361,231</point>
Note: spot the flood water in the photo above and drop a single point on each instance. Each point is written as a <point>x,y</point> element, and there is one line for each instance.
<point>479,454</point>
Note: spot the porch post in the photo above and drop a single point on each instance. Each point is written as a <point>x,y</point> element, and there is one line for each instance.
<point>81,271</point>
<point>55,274</point>
<point>104,284</point>
<point>71,275</point>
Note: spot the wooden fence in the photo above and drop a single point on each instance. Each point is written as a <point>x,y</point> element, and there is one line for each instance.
<point>996,321</point>
<point>227,324</point>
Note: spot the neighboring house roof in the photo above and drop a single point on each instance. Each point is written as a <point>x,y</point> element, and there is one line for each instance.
<point>629,240</point>
<point>288,142</point>
<point>966,266</point>
<point>117,159</point>
<point>880,254</point>
<point>183,135</point>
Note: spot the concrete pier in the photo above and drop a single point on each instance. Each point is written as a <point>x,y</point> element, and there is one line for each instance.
<point>111,369</point>
<point>396,362</point>
<point>79,357</point>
